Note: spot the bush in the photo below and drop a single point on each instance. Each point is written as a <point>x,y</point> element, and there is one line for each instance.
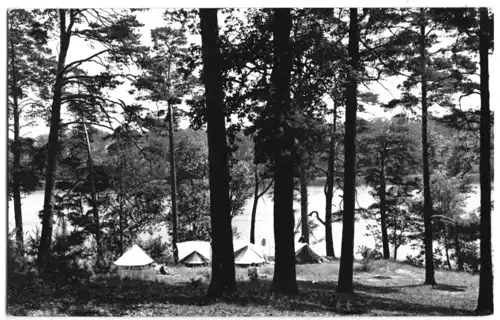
<point>417,261</point>
<point>471,257</point>
<point>195,282</point>
<point>368,255</point>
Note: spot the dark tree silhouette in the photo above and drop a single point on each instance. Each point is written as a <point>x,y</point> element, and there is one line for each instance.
<point>284,280</point>
<point>429,259</point>
<point>329,186</point>
<point>347,254</point>
<point>485,300</point>
<point>223,273</point>
<point>65,27</point>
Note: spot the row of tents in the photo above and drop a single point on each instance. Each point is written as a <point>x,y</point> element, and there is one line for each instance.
<point>193,253</point>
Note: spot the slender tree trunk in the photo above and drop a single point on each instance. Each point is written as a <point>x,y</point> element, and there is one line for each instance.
<point>16,152</point>
<point>429,258</point>
<point>120,201</point>
<point>330,179</point>
<point>284,280</point>
<point>395,252</point>
<point>485,299</point>
<point>121,226</point>
<point>173,181</point>
<point>345,284</point>
<point>458,252</point>
<point>93,194</point>
<point>255,203</point>
<point>223,273</point>
<point>44,251</point>
<point>383,217</point>
<point>304,205</point>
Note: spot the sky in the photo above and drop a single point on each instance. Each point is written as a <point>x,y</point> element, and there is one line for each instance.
<point>153,18</point>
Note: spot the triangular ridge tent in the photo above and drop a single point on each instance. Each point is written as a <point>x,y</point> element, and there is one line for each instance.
<point>134,257</point>
<point>194,252</point>
<point>194,258</point>
<point>305,254</point>
<point>247,254</point>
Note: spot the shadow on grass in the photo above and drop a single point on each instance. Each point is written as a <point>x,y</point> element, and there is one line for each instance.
<point>450,288</point>
<point>134,295</point>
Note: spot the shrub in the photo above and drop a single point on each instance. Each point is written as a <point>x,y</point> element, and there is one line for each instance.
<point>471,257</point>
<point>417,261</point>
<point>368,255</point>
<point>195,282</point>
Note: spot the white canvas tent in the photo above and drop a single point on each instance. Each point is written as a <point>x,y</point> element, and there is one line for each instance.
<point>194,252</point>
<point>134,257</point>
<point>245,253</point>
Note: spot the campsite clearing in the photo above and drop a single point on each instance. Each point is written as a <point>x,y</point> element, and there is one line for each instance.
<point>390,288</point>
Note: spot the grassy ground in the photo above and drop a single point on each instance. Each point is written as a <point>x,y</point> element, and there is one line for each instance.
<point>390,288</point>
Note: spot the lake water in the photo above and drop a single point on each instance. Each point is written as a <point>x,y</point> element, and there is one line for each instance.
<point>33,203</point>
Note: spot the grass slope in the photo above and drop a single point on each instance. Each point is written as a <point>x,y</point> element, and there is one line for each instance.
<point>389,289</point>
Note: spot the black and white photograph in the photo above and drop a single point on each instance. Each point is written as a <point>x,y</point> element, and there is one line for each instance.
<point>246,161</point>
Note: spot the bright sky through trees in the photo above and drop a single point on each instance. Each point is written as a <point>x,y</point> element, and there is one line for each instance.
<point>152,18</point>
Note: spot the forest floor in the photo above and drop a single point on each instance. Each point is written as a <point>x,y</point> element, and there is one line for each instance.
<point>388,289</point>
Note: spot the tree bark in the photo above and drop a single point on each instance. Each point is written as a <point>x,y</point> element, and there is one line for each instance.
<point>485,299</point>
<point>383,217</point>
<point>429,257</point>
<point>330,179</point>
<point>120,201</point>
<point>284,280</point>
<point>345,284</point>
<point>255,203</point>
<point>223,273</point>
<point>458,252</point>
<point>16,152</point>
<point>256,198</point>
<point>304,205</point>
<point>44,250</point>
<point>173,181</point>
<point>93,194</point>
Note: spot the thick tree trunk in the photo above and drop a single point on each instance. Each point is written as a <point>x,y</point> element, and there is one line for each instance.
<point>330,179</point>
<point>93,193</point>
<point>345,284</point>
<point>255,203</point>
<point>429,258</point>
<point>304,205</point>
<point>44,251</point>
<point>485,299</point>
<point>16,152</point>
<point>284,280</point>
<point>383,217</point>
<point>223,273</point>
<point>173,181</point>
